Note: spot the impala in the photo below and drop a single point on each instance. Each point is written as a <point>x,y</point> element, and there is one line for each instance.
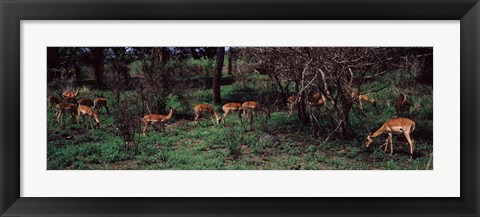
<point>315,100</point>
<point>249,107</point>
<point>232,107</point>
<point>98,103</point>
<point>72,94</point>
<point>85,101</point>
<point>70,100</point>
<point>156,119</point>
<point>52,101</point>
<point>63,108</point>
<point>403,105</point>
<point>205,109</point>
<point>363,98</point>
<point>90,113</point>
<point>394,126</point>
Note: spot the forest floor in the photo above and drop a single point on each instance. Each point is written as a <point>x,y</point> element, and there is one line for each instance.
<point>277,143</point>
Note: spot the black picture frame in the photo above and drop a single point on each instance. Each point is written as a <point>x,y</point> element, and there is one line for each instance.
<point>12,12</point>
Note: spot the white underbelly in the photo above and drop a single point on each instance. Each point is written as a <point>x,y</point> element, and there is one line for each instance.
<point>397,130</point>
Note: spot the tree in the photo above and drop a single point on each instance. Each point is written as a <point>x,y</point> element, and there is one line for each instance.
<point>335,72</point>
<point>218,75</point>
<point>98,64</point>
<point>53,63</point>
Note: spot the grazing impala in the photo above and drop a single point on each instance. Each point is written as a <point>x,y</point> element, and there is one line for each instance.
<point>52,101</point>
<point>156,119</point>
<point>403,105</point>
<point>315,100</point>
<point>64,108</point>
<point>249,107</point>
<point>232,107</point>
<point>71,94</point>
<point>98,103</point>
<point>403,126</point>
<point>90,113</point>
<point>85,101</point>
<point>363,98</point>
<point>205,109</point>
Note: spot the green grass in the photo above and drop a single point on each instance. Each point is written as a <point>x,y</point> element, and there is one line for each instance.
<point>186,146</point>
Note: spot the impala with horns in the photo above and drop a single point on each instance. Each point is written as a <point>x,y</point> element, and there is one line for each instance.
<point>90,113</point>
<point>249,107</point>
<point>71,94</point>
<point>207,110</point>
<point>64,108</point>
<point>395,126</point>
<point>232,107</point>
<point>156,119</point>
<point>98,103</point>
<point>363,98</point>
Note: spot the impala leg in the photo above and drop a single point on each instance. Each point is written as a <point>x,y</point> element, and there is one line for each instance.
<point>391,143</point>
<point>196,119</point>
<point>290,109</point>
<point>54,117</point>
<point>387,142</point>
<point>60,116</point>
<point>162,126</point>
<point>57,116</point>
<point>240,117</point>
<point>89,120</point>
<point>145,125</point>
<point>83,120</point>
<point>212,118</point>
<point>224,116</point>
<point>410,142</point>
<point>72,116</point>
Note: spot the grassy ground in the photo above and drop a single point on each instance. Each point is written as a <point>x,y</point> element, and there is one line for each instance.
<point>279,143</point>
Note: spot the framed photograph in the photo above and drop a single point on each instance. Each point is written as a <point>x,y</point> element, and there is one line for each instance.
<point>239,108</point>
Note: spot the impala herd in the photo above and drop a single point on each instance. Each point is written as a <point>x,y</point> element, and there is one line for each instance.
<point>89,108</point>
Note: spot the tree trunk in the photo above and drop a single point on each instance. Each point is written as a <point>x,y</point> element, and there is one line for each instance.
<point>302,113</point>
<point>53,63</point>
<point>78,74</point>
<point>98,64</point>
<point>218,75</point>
<point>283,90</point>
<point>230,60</point>
<point>120,53</point>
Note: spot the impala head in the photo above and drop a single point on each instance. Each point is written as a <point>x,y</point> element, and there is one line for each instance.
<point>368,140</point>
